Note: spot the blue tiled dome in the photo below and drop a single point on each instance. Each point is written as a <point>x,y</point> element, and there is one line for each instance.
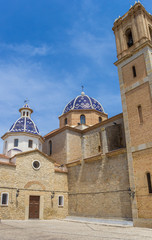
<point>24,124</point>
<point>83,102</point>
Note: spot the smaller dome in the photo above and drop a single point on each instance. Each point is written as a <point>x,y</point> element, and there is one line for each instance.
<point>83,102</point>
<point>24,124</point>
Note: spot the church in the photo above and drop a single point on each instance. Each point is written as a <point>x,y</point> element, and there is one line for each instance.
<point>92,165</point>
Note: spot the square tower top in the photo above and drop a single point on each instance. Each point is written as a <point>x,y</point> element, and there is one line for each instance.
<point>132,31</point>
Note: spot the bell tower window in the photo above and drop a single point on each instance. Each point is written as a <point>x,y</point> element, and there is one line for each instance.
<point>129,38</point>
<point>82,119</point>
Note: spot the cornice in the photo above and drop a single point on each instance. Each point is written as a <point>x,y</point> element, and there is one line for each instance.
<point>93,158</point>
<point>131,53</point>
<point>82,110</point>
<point>116,152</point>
<point>74,163</point>
<point>22,133</point>
<point>138,8</point>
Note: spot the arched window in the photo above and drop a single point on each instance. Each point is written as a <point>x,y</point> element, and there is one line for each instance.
<point>149,182</point>
<point>150,31</point>
<point>82,119</point>
<point>129,37</point>
<point>65,121</point>
<point>100,119</point>
<point>27,114</point>
<point>23,113</point>
<point>50,147</point>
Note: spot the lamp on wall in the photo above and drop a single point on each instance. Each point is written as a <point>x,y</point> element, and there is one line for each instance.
<point>52,194</point>
<point>131,193</point>
<point>17,192</point>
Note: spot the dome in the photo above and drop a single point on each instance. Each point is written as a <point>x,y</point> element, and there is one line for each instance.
<point>25,123</point>
<point>83,102</point>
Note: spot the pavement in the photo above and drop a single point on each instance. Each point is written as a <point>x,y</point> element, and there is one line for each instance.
<point>71,229</point>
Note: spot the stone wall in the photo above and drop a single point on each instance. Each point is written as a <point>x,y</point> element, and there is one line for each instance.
<point>100,188</point>
<point>142,165</point>
<point>28,181</point>
<point>74,147</point>
<point>140,96</point>
<point>115,137</point>
<point>59,147</point>
<point>127,71</point>
<point>92,143</point>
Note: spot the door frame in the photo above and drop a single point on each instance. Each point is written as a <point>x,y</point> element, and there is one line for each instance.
<point>41,205</point>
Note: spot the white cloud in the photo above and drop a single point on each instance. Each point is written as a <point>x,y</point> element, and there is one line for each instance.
<point>27,49</point>
<point>94,48</point>
<point>48,91</point>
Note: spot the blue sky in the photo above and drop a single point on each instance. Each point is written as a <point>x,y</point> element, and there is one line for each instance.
<point>49,48</point>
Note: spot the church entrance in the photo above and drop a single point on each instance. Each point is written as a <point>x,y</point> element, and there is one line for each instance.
<point>34,205</point>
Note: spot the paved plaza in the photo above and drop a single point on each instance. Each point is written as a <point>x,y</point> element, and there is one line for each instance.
<point>69,230</point>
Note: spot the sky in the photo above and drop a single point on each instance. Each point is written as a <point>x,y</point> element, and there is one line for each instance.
<point>49,49</point>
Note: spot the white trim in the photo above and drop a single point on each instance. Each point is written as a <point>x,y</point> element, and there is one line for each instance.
<point>2,198</point>
<point>62,201</point>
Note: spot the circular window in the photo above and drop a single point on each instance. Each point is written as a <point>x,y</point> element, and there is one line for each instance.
<point>36,165</point>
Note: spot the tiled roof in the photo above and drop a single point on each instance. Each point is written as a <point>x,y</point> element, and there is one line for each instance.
<point>48,134</point>
<point>83,102</point>
<point>4,156</point>
<point>24,124</point>
<point>8,164</point>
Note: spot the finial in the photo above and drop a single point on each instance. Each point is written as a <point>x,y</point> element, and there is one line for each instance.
<point>82,93</point>
<point>26,100</point>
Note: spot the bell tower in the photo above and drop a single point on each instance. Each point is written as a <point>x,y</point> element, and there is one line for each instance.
<point>133,34</point>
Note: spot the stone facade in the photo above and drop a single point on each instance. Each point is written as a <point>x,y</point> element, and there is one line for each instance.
<point>30,182</point>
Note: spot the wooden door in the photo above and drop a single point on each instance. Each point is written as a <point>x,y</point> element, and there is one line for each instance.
<point>34,204</point>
